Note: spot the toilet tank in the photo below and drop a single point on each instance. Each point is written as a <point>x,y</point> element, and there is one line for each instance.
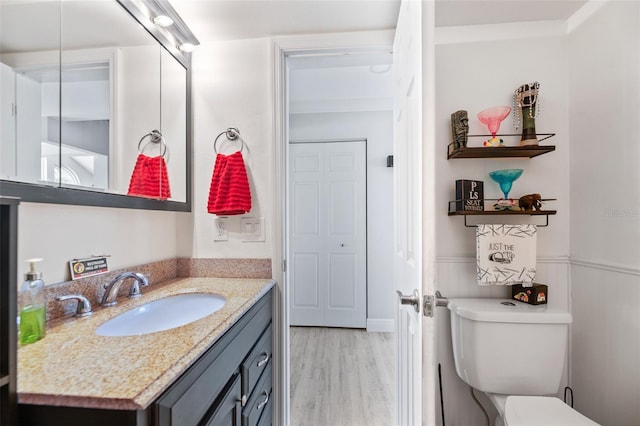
<point>509,347</point>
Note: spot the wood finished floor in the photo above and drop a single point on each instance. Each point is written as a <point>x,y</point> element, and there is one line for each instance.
<point>341,377</point>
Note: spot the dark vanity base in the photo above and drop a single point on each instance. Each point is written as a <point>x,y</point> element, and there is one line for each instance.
<point>236,368</point>
<point>62,416</point>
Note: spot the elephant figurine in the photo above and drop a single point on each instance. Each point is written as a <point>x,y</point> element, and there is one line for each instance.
<point>530,202</point>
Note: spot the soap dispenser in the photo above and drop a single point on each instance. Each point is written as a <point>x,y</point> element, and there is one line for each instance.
<point>32,306</point>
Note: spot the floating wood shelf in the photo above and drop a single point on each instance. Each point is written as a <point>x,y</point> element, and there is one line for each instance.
<point>503,213</point>
<point>502,151</point>
<point>545,213</point>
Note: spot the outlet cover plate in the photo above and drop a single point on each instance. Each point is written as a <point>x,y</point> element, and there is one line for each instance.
<point>220,231</point>
<point>252,229</point>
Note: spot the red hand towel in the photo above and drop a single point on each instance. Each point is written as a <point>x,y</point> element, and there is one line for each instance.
<point>149,178</point>
<point>229,193</point>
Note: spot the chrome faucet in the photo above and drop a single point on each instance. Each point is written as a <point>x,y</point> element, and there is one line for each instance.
<point>111,289</point>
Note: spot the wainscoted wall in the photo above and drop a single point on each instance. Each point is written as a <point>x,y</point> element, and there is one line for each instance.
<point>456,277</point>
<point>465,81</point>
<point>606,342</point>
<point>605,213</point>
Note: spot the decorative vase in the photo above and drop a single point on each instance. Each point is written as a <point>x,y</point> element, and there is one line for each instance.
<point>526,108</point>
<point>505,179</point>
<point>492,117</point>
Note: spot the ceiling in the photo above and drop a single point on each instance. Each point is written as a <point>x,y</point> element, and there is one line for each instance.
<point>237,19</point>
<point>346,82</point>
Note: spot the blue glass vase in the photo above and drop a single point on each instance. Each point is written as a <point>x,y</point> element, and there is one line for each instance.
<point>505,179</point>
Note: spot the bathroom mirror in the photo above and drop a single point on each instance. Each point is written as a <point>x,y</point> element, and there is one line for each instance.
<point>83,106</point>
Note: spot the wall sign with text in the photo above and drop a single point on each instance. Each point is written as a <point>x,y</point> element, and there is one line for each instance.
<point>81,268</point>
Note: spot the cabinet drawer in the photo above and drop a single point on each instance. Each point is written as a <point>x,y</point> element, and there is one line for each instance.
<point>259,399</point>
<point>257,361</point>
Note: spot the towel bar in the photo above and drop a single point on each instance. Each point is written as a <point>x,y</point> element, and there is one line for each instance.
<point>232,134</point>
<point>154,137</point>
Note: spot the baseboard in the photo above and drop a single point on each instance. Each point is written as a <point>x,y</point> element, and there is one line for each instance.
<point>380,326</point>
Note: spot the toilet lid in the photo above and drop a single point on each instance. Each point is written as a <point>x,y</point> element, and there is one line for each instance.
<point>542,410</point>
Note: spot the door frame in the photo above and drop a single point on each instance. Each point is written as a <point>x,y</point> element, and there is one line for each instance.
<point>283,47</point>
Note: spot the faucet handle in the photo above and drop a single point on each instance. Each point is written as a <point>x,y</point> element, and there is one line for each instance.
<point>83,308</point>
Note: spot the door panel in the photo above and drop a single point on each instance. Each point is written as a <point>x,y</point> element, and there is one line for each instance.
<point>328,210</point>
<point>408,143</point>
<point>306,221</point>
<point>306,271</point>
<point>342,281</point>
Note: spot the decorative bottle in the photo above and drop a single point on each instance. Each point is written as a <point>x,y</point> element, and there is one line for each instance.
<point>32,306</point>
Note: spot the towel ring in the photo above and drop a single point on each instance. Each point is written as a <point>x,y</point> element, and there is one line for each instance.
<point>232,134</point>
<point>155,137</point>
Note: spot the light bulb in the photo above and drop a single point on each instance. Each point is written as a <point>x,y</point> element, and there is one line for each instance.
<point>187,47</point>
<point>162,21</point>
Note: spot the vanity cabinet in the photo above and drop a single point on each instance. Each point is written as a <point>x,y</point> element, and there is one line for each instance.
<point>230,384</point>
<point>223,381</point>
<point>8,308</point>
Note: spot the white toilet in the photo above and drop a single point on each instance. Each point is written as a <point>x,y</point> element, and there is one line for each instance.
<point>515,353</point>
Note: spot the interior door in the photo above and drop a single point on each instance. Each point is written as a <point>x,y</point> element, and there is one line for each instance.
<point>328,234</point>
<point>413,256</point>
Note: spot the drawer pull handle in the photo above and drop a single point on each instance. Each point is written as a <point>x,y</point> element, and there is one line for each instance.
<point>263,403</point>
<point>264,360</point>
<point>243,400</point>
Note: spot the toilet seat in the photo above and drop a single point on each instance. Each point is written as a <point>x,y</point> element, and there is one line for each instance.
<point>542,410</point>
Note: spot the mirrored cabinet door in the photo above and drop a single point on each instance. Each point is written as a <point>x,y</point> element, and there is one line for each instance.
<point>29,91</point>
<point>173,102</point>
<point>91,101</point>
<point>110,94</point>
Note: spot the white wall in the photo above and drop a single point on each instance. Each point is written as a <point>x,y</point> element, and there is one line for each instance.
<point>604,58</point>
<point>474,76</point>
<point>60,233</point>
<point>232,88</point>
<point>377,128</point>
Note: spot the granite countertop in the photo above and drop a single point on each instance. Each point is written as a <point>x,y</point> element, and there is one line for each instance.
<point>73,366</point>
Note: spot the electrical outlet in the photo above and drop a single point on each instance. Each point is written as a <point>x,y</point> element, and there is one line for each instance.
<point>252,229</point>
<point>220,231</point>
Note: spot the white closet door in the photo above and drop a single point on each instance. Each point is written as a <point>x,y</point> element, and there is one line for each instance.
<point>328,234</point>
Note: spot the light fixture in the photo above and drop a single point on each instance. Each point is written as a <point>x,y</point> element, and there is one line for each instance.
<point>187,47</point>
<point>168,23</point>
<point>163,21</point>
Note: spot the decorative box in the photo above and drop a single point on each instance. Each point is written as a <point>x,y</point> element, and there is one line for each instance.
<point>535,295</point>
<point>469,195</point>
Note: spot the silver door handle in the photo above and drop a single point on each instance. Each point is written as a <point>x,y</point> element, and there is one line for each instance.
<point>413,299</point>
<point>431,302</point>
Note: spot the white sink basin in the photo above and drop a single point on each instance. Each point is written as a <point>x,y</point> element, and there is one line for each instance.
<point>162,314</point>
